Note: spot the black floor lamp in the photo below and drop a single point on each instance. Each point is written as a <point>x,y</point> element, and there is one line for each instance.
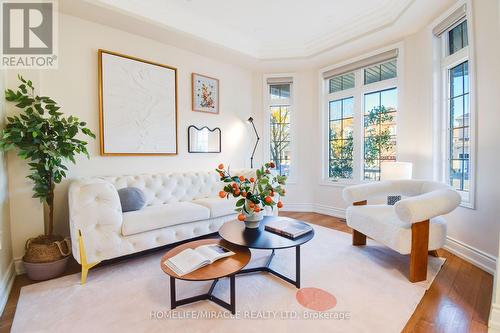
<point>250,120</point>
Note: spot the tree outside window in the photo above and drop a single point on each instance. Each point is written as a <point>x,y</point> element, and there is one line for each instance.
<point>280,138</point>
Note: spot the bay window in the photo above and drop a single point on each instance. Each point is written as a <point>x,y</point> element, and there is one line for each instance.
<point>361,106</point>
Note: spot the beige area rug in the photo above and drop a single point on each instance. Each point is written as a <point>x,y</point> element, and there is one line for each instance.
<point>369,284</point>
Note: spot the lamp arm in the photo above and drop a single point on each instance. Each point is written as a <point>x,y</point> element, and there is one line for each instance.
<point>255,147</point>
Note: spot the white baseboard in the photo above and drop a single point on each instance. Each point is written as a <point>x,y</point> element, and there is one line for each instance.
<point>329,210</point>
<point>494,322</point>
<point>315,208</point>
<point>298,207</point>
<point>6,285</point>
<point>469,253</point>
<point>18,264</point>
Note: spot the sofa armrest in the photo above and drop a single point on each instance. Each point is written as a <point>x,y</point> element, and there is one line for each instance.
<point>95,210</point>
<point>426,206</point>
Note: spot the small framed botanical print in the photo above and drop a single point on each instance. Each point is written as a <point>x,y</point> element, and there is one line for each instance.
<point>205,92</point>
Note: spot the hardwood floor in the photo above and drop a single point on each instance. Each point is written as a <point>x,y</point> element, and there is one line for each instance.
<point>458,300</point>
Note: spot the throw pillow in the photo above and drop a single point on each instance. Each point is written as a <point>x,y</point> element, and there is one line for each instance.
<point>131,198</point>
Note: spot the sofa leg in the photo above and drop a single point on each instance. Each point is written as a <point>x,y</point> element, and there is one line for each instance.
<point>419,251</point>
<point>358,238</point>
<point>83,259</point>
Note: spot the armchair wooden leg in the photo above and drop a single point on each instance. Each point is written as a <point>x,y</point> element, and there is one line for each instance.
<point>434,253</point>
<point>83,259</point>
<point>358,238</point>
<point>419,251</point>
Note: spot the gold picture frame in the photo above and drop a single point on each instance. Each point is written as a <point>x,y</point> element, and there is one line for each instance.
<point>102,134</point>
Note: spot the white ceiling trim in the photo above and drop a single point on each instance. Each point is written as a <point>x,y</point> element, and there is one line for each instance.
<point>341,37</point>
<point>363,23</point>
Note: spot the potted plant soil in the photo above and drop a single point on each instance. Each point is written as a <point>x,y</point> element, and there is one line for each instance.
<point>45,138</point>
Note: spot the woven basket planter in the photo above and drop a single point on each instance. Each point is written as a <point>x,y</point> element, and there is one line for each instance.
<point>45,257</point>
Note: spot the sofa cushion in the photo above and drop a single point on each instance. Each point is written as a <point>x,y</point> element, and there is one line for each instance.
<point>131,198</point>
<point>218,206</point>
<point>381,223</point>
<point>156,217</point>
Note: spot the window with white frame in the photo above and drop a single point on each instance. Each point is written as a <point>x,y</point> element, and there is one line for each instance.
<point>279,91</point>
<point>341,143</point>
<point>453,41</point>
<point>361,104</point>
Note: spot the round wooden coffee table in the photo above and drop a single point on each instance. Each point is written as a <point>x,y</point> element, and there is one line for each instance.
<point>226,267</point>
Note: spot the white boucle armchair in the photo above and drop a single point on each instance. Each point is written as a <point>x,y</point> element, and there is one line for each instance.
<point>414,225</point>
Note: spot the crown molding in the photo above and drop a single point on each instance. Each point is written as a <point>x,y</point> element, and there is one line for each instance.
<point>366,22</point>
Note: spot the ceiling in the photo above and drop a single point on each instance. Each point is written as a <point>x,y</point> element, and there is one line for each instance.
<point>277,29</point>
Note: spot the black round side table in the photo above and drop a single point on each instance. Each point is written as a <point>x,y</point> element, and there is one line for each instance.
<point>236,233</point>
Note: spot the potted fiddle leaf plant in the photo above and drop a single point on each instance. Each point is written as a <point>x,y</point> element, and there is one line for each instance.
<point>254,193</point>
<point>47,140</point>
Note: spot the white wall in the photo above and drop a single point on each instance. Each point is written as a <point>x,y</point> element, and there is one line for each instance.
<point>7,273</point>
<point>74,85</point>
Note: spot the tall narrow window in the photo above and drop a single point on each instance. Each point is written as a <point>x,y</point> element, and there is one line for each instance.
<point>380,130</point>
<point>459,127</point>
<point>280,108</point>
<point>458,160</point>
<point>341,113</point>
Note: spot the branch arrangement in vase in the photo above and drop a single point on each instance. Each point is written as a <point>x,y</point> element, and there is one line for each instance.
<point>254,193</point>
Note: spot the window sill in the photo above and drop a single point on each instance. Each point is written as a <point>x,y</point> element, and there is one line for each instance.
<point>338,183</point>
<point>467,205</point>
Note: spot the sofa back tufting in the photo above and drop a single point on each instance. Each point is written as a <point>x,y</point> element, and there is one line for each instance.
<point>165,188</point>
<point>95,211</point>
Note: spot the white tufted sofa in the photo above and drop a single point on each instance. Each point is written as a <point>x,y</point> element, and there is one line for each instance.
<point>179,206</point>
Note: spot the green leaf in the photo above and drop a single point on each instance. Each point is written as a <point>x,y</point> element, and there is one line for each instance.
<point>45,140</point>
<point>240,202</point>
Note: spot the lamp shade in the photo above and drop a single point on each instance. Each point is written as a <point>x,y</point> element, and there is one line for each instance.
<point>395,170</point>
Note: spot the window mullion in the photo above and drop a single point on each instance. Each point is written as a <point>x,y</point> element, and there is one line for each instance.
<point>358,127</point>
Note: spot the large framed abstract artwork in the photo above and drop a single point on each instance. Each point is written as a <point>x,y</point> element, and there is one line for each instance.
<point>137,106</point>
<point>205,92</point>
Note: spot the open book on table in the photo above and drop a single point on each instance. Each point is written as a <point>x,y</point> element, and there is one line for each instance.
<point>190,260</point>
